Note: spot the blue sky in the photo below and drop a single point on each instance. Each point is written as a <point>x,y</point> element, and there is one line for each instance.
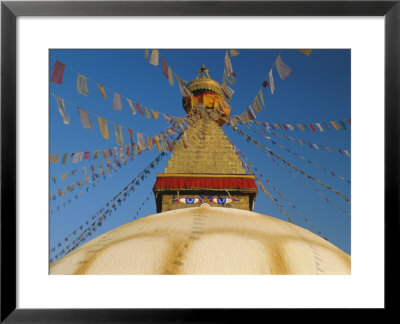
<point>319,90</point>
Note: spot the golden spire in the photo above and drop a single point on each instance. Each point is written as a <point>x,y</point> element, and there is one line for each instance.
<point>203,73</point>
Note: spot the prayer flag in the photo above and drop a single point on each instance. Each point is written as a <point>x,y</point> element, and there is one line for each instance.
<point>86,155</point>
<point>131,106</point>
<point>63,176</point>
<point>118,134</point>
<point>234,52</point>
<point>139,109</point>
<point>103,127</point>
<point>265,84</point>
<point>117,104</point>
<point>154,114</point>
<point>57,72</point>
<point>102,91</point>
<point>182,87</point>
<point>96,155</point>
<point>157,142</point>
<point>170,76</point>
<point>149,143</point>
<point>141,142</point>
<point>54,179</point>
<point>343,124</point>
<point>130,135</point>
<point>291,127</point>
<point>347,152</point>
<point>75,157</point>
<point>164,68</point>
<point>146,112</point>
<point>313,128</point>
<point>261,97</point>
<point>319,126</point>
<point>251,114</point>
<point>53,158</point>
<point>85,119</point>
<point>283,70</point>
<point>81,85</point>
<point>349,120</point>
<point>146,54</point>
<point>228,64</point>
<point>170,147</point>
<point>61,109</point>
<point>105,154</point>
<point>257,105</point>
<point>335,125</point>
<point>305,51</point>
<point>65,158</point>
<point>271,81</point>
<point>84,170</point>
<point>154,57</point>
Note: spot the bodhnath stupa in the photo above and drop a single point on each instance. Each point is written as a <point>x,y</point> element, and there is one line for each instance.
<point>205,222</point>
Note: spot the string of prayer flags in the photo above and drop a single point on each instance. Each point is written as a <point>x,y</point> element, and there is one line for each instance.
<point>271,153</point>
<point>234,52</point>
<point>116,103</point>
<point>103,127</point>
<point>57,73</point>
<point>284,71</point>
<point>154,57</point>
<point>131,106</point>
<point>81,85</point>
<point>118,134</point>
<point>62,110</point>
<point>102,91</point>
<point>271,81</point>
<point>305,51</point>
<point>85,119</point>
<point>320,126</point>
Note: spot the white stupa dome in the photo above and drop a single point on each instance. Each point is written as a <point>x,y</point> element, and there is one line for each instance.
<point>200,241</point>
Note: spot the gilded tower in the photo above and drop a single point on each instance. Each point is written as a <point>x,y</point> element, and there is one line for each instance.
<point>204,168</point>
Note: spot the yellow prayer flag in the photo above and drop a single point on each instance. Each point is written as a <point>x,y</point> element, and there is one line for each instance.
<point>300,126</point>
<point>261,97</point>
<point>103,127</point>
<point>335,125</point>
<point>105,154</point>
<point>102,91</point>
<point>154,114</point>
<point>305,51</point>
<point>157,142</point>
<point>63,176</point>
<point>234,52</point>
<point>146,112</point>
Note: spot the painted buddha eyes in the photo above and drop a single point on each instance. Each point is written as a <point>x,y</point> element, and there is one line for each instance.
<point>188,200</point>
<point>212,199</point>
<point>222,200</point>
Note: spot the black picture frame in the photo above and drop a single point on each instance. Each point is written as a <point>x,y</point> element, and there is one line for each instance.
<point>10,10</point>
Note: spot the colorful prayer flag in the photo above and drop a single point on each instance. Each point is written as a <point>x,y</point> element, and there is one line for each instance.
<point>335,125</point>
<point>102,91</point>
<point>234,52</point>
<point>341,122</point>
<point>283,70</point>
<point>170,76</point>
<point>103,127</point>
<point>62,110</point>
<point>65,158</point>
<point>139,109</point>
<point>320,127</point>
<point>154,57</point>
<point>146,54</point>
<point>116,103</point>
<point>131,106</point>
<point>261,97</point>
<point>154,114</point>
<point>63,176</point>
<point>53,158</point>
<point>271,81</point>
<point>118,134</point>
<point>305,51</point>
<point>57,72</point>
<point>164,68</point>
<point>146,112</point>
<point>81,85</point>
<point>228,64</point>
<point>84,118</point>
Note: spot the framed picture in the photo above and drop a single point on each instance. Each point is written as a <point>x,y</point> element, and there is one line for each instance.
<point>35,32</point>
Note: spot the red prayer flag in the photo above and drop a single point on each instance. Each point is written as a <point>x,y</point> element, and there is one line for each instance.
<point>86,155</point>
<point>265,84</point>
<point>349,120</point>
<point>57,72</point>
<point>285,127</point>
<point>130,135</point>
<point>313,128</point>
<point>92,167</point>
<point>110,151</point>
<point>139,109</point>
<point>164,68</point>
